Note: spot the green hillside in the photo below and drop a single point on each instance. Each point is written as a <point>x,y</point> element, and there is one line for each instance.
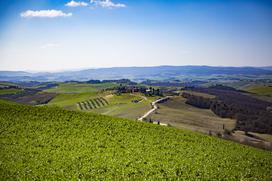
<point>10,91</point>
<point>261,90</point>
<point>49,143</point>
<point>79,87</point>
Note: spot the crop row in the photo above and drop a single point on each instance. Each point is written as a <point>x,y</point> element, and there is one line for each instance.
<point>92,103</point>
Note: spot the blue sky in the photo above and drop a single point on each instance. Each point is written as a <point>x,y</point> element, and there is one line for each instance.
<point>59,35</point>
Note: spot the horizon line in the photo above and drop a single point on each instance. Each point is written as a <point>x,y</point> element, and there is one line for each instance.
<point>88,68</point>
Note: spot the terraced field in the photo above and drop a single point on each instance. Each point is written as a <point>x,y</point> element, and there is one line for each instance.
<point>123,105</point>
<point>94,103</point>
<point>49,143</point>
<point>73,95</point>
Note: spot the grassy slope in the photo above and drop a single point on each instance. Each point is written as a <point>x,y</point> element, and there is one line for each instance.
<point>51,143</point>
<point>9,91</point>
<point>68,101</point>
<point>79,88</point>
<point>181,115</point>
<point>121,106</point>
<point>260,90</point>
<point>69,94</point>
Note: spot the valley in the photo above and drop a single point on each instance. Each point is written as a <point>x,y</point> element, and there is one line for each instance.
<point>120,121</point>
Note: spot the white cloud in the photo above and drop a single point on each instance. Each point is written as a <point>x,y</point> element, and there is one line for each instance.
<point>107,4</point>
<point>44,14</point>
<point>50,45</point>
<point>76,4</point>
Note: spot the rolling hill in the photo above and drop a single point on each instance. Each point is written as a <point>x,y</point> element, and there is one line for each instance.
<point>133,73</point>
<point>49,143</point>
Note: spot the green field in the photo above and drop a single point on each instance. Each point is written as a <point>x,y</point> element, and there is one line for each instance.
<point>123,106</point>
<point>263,90</point>
<point>9,91</point>
<point>43,143</point>
<point>118,105</point>
<point>70,100</point>
<point>73,88</point>
<point>73,95</point>
<point>181,115</point>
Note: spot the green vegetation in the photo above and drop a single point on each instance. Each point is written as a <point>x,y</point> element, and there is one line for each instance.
<point>69,94</point>
<point>118,105</point>
<point>69,101</point>
<point>264,90</point>
<point>123,106</point>
<point>79,88</point>
<point>3,84</point>
<point>46,143</point>
<point>9,91</point>
<point>84,97</point>
<point>94,103</point>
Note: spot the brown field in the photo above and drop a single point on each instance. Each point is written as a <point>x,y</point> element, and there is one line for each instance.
<point>177,113</point>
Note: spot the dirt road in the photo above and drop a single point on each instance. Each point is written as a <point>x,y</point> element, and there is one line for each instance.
<point>154,108</point>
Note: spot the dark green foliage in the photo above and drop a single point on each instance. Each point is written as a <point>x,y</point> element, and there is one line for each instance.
<point>252,114</point>
<point>198,101</point>
<point>41,143</point>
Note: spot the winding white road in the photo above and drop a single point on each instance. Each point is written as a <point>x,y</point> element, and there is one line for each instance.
<point>154,108</point>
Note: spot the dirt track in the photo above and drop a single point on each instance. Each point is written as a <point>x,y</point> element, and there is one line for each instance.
<point>154,108</point>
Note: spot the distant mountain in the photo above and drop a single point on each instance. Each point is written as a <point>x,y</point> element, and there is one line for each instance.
<point>133,73</point>
<point>267,68</point>
<point>14,73</point>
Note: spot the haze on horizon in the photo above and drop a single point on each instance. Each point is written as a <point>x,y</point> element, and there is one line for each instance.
<point>48,35</point>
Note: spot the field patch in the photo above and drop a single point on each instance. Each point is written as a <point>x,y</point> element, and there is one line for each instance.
<point>93,103</point>
<point>73,88</point>
<point>10,91</point>
<point>265,90</point>
<point>181,115</point>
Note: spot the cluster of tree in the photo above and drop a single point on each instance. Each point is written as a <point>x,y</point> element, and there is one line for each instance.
<point>93,81</point>
<point>251,114</point>
<point>153,91</point>
<point>173,83</point>
<point>132,89</point>
<point>9,87</point>
<point>198,101</point>
<point>119,81</point>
